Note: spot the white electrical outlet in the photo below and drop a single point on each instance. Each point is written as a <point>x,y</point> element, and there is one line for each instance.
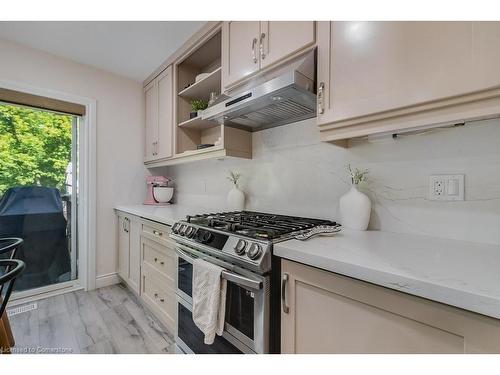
<point>446,187</point>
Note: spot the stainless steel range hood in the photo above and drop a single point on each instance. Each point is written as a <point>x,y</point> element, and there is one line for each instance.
<point>283,99</point>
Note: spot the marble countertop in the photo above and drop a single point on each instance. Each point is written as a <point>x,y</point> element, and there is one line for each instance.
<point>457,273</point>
<point>168,214</point>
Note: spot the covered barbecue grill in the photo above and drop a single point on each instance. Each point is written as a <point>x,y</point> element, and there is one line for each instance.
<point>35,214</point>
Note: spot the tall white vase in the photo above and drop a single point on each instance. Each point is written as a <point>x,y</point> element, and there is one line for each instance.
<point>235,199</point>
<point>355,209</point>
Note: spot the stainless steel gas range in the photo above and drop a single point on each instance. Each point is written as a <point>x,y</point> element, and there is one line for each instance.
<point>240,242</point>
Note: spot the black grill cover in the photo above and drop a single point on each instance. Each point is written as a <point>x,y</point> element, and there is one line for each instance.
<point>35,214</point>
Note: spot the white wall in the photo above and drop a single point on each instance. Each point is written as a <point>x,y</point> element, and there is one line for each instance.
<point>293,172</point>
<point>120,171</point>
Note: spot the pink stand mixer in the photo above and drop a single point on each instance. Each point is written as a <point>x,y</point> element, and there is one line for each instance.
<point>158,193</point>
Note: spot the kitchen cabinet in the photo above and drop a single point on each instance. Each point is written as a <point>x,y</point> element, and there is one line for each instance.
<point>158,96</point>
<point>323,312</point>
<point>158,266</point>
<point>381,77</point>
<point>240,40</point>
<point>250,46</point>
<point>280,39</point>
<point>129,231</point>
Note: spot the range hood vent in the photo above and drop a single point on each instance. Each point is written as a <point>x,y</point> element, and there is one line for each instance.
<point>287,98</point>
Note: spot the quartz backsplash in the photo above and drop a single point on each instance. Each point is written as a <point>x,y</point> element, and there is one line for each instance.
<point>293,172</point>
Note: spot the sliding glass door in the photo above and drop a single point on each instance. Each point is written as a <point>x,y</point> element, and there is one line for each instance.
<point>39,192</point>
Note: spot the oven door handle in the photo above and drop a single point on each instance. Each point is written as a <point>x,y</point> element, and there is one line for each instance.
<point>229,276</point>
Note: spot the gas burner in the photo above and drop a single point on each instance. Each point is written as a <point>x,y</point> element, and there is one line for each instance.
<point>256,225</point>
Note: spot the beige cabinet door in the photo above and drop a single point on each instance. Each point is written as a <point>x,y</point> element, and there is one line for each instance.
<point>329,313</point>
<point>151,111</point>
<point>165,114</point>
<point>240,50</point>
<point>366,68</point>
<point>280,39</point>
<point>134,276</point>
<point>123,247</point>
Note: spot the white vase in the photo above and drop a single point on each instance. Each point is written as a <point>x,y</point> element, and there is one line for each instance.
<point>355,209</point>
<point>235,199</point>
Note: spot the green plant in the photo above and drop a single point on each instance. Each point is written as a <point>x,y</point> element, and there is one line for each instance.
<point>234,177</point>
<point>35,147</point>
<point>357,175</point>
<point>198,105</point>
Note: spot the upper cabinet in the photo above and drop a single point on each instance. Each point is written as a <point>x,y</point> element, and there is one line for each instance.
<point>378,77</point>
<point>175,98</point>
<point>249,46</point>
<point>159,117</point>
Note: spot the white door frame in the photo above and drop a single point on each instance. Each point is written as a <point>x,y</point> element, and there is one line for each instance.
<point>87,184</point>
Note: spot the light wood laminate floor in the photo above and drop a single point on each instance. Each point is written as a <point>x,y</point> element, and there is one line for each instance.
<point>106,320</point>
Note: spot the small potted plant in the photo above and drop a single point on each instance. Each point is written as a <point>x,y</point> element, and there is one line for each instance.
<point>355,206</point>
<point>235,197</point>
<point>197,105</point>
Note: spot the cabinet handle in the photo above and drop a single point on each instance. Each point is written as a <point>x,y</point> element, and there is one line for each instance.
<point>156,295</point>
<point>162,263</point>
<point>156,260</point>
<point>157,148</point>
<point>126,225</point>
<point>321,98</point>
<point>284,282</point>
<point>162,300</point>
<point>254,56</point>
<point>261,46</point>
<point>156,233</point>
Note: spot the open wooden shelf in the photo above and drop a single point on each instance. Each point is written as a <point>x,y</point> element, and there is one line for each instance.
<point>203,88</point>
<point>198,124</point>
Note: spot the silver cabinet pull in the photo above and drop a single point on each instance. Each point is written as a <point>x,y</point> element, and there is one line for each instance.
<point>321,98</point>
<point>284,282</point>
<point>254,55</point>
<point>261,46</point>
<point>126,225</point>
<point>156,260</point>
<point>157,233</point>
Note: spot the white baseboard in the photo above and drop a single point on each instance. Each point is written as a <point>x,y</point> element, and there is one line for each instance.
<point>107,280</point>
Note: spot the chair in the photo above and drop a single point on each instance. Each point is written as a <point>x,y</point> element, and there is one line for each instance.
<point>8,247</point>
<point>10,244</point>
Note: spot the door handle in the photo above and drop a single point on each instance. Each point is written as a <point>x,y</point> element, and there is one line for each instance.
<point>254,55</point>
<point>321,98</point>
<point>229,276</point>
<point>261,46</point>
<point>284,282</point>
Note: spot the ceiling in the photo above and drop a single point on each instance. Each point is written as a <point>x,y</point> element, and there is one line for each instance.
<point>128,48</point>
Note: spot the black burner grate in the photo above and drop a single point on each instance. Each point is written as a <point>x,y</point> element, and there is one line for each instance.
<point>256,224</point>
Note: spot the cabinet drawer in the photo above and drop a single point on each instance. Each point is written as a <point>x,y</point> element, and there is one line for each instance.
<point>159,258</point>
<point>158,295</point>
<point>157,232</point>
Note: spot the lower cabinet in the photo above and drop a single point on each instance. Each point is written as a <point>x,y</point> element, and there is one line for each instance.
<point>129,242</point>
<point>158,280</point>
<point>147,264</point>
<point>323,312</point>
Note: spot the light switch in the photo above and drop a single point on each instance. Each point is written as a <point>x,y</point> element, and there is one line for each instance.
<point>453,186</point>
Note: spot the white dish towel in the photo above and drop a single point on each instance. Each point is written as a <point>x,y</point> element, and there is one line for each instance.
<point>209,299</point>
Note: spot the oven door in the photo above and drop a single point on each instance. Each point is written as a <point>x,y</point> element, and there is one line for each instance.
<point>247,300</point>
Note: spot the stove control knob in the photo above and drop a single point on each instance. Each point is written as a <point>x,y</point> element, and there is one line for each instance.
<point>175,228</point>
<point>254,251</point>
<point>189,232</point>
<point>240,247</point>
<point>182,229</point>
